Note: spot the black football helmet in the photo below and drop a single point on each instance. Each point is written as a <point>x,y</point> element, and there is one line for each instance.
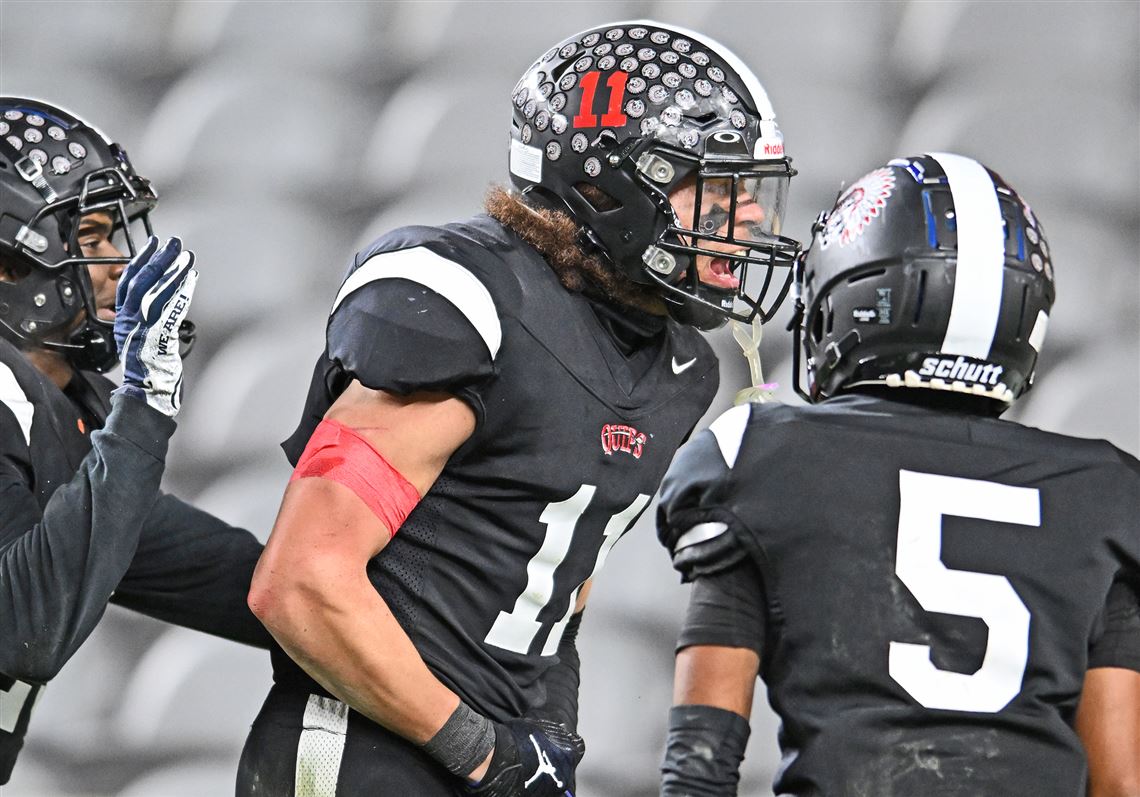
<point>929,272</point>
<point>56,169</point>
<point>610,121</point>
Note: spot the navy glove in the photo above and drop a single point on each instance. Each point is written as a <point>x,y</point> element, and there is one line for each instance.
<point>532,758</point>
<point>152,300</point>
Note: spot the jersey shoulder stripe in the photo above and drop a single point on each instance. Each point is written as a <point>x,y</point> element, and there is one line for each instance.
<point>446,277</point>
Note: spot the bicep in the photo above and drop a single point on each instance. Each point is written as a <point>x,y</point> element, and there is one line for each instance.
<point>415,435</point>
<point>712,675</point>
<point>721,640</point>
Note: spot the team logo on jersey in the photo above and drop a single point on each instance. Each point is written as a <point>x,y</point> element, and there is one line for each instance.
<point>858,206</point>
<point>619,437</point>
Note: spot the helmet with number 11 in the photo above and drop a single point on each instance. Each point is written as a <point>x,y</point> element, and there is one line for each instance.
<point>663,146</point>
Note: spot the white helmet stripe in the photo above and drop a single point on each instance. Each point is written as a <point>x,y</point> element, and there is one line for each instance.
<point>751,82</point>
<point>981,258</point>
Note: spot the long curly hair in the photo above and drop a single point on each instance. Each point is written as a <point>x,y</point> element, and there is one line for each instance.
<point>557,237</point>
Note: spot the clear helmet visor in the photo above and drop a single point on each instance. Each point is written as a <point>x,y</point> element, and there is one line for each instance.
<point>739,209</point>
<point>728,218</point>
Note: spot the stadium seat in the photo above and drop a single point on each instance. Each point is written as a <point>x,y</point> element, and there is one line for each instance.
<point>71,718</point>
<point>250,396</point>
<point>196,778</point>
<point>1019,46</point>
<point>1051,140</point>
<point>345,41</point>
<point>1092,391</point>
<point>248,129</point>
<point>191,693</point>
<point>428,133</point>
<point>258,260</point>
<point>124,41</point>
<point>248,497</point>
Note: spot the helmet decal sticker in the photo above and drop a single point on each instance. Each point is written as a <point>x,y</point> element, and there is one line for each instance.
<point>639,91</point>
<point>57,133</point>
<point>859,205</point>
<point>33,136</point>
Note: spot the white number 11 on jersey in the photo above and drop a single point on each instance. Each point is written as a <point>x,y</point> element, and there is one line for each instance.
<point>515,630</point>
<point>924,499</point>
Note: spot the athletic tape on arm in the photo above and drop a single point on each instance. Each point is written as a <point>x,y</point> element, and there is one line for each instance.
<point>338,453</point>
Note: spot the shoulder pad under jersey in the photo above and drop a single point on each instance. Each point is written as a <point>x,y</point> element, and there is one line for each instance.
<point>694,519</point>
<point>412,315</point>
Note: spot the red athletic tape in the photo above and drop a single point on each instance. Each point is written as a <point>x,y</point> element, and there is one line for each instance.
<point>338,453</point>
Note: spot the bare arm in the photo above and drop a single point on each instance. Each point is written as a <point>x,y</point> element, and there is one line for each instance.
<point>711,675</point>
<point>1108,721</point>
<point>312,591</point>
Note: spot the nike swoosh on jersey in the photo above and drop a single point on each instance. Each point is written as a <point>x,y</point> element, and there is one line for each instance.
<point>679,367</point>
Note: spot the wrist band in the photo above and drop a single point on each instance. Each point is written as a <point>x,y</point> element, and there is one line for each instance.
<point>463,741</point>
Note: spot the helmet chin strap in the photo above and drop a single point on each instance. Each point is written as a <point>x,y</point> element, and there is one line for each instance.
<point>748,337</point>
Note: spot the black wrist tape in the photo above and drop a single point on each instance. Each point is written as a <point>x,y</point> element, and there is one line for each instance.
<point>703,752</point>
<point>463,741</point>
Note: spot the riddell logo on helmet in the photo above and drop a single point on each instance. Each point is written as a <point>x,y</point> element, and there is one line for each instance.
<point>774,148</point>
<point>619,437</point>
<point>961,370</point>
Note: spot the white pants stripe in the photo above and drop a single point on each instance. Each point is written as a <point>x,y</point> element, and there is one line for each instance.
<point>320,747</point>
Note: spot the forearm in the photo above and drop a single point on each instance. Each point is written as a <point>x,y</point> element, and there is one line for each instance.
<point>194,570</point>
<point>58,575</point>
<point>339,629</point>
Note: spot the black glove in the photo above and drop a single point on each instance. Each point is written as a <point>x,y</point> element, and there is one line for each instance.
<point>532,758</point>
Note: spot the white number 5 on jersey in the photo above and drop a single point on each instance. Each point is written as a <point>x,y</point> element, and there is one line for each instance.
<point>924,499</point>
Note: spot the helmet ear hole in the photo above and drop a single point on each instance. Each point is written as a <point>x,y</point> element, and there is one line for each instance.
<point>817,326</point>
<point>920,296</point>
<point>598,199</point>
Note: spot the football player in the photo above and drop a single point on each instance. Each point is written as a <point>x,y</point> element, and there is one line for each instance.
<point>82,519</point>
<point>497,402</point>
<point>921,585</point>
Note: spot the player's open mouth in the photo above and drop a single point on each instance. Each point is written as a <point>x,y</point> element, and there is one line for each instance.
<point>720,274</point>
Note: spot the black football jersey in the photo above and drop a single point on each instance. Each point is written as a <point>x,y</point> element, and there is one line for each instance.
<point>932,582</point>
<point>578,416</point>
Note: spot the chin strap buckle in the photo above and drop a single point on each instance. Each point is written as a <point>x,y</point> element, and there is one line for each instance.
<point>33,172</point>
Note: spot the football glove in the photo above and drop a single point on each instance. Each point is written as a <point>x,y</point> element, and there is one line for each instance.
<point>532,758</point>
<point>151,302</point>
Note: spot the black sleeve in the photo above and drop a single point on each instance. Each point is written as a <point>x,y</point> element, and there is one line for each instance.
<point>397,334</point>
<point>1119,643</point>
<point>727,608</point>
<point>194,570</point>
<point>694,519</point>
<point>59,567</point>
<point>562,680</point>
